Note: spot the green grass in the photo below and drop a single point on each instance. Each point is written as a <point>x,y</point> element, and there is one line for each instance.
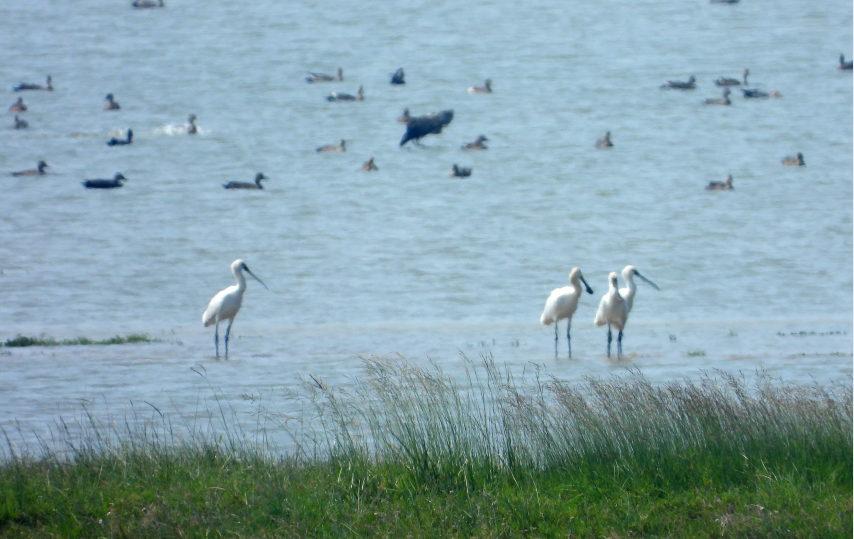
<point>21,340</point>
<point>411,452</point>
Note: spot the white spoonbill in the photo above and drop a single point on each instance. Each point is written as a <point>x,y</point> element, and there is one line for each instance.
<point>614,311</point>
<point>562,303</point>
<point>629,291</point>
<point>224,306</point>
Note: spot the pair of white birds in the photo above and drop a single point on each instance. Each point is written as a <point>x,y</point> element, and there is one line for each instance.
<point>614,307</point>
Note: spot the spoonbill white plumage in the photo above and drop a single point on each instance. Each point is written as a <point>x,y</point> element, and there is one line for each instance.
<point>562,303</point>
<point>224,305</point>
<point>614,311</point>
<point>630,289</point>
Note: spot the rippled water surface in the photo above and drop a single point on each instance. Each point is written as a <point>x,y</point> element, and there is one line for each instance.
<point>408,260</point>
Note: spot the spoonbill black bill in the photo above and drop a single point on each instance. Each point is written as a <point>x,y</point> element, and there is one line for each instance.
<point>562,303</point>
<point>629,291</point>
<point>226,304</point>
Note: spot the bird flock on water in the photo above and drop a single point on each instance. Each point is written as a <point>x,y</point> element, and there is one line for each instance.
<point>614,306</point>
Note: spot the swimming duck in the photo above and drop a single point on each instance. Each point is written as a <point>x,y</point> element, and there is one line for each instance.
<point>332,148</point>
<point>843,64</point>
<point>421,126</point>
<point>681,85</point>
<point>721,186</point>
<point>118,142</point>
<point>723,1</point>
<point>397,78</point>
<point>18,106</point>
<point>340,96</point>
<point>795,161</point>
<point>605,142</point>
<point>246,185</point>
<point>485,89</point>
<point>111,104</point>
<point>191,127</point>
<point>20,124</point>
<point>478,144</point>
<point>323,77</point>
<point>147,4</point>
<point>28,86</point>
<point>105,184</point>
<point>369,165</point>
<point>405,117</point>
<point>723,81</point>
<point>720,101</point>
<point>458,172</point>
<point>33,172</point>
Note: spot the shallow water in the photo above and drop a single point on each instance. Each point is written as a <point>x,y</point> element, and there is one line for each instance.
<point>407,260</point>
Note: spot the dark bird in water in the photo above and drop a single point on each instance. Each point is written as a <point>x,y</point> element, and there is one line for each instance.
<point>723,1</point>
<point>111,104</point>
<point>323,77</point>
<point>458,172</point>
<point>681,85</point>
<point>421,126</point>
<point>478,144</point>
<point>18,106</point>
<point>20,124</point>
<point>28,86</point>
<point>105,184</point>
<point>795,161</point>
<point>843,64</point>
<point>332,148</point>
<point>723,81</point>
<point>397,78</point>
<point>247,185</point>
<point>369,165</point>
<point>191,127</point>
<point>341,96</point>
<point>720,101</point>
<point>756,93</point>
<point>33,172</point>
<point>721,186</point>
<point>485,89</point>
<point>118,142</point>
<point>405,117</point>
<point>147,4</point>
<point>605,142</point>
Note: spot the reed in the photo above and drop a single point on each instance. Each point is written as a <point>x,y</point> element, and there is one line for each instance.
<point>410,451</point>
<point>22,340</point>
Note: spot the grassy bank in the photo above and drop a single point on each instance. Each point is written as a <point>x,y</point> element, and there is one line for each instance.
<point>22,340</point>
<point>411,452</point>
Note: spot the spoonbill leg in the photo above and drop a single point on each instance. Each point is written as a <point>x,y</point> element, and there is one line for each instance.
<point>555,340</point>
<point>568,343</point>
<point>609,340</point>
<point>227,331</point>
<point>620,344</point>
<point>216,338</point>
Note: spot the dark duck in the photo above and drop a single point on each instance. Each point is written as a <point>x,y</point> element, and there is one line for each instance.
<point>430,124</point>
<point>105,184</point>
<point>247,185</point>
<point>121,142</point>
<point>39,171</point>
<point>27,86</point>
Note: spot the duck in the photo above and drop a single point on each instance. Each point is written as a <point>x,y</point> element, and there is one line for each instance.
<point>847,66</point>
<point>20,124</point>
<point>723,81</point>
<point>478,144</point>
<point>397,78</point>
<point>323,77</point>
<point>369,165</point>
<point>33,172</point>
<point>147,4</point>
<point>720,101</point>
<point>18,106</point>
<point>485,89</point>
<point>405,117</point>
<point>340,96</point>
<point>191,126</point>
<point>342,147</point>
<point>795,161</point>
<point>605,142</point>
<point>721,186</point>
<point>27,86</point>
<point>105,184</point>
<point>690,84</point>
<point>458,172</point>
<point>421,126</point>
<point>119,142</point>
<point>111,104</point>
<point>247,185</point>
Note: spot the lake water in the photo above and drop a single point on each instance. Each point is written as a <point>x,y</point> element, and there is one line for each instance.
<point>407,260</point>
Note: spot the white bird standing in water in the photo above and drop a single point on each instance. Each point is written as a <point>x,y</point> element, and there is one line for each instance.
<point>224,306</point>
<point>614,311</point>
<point>562,303</point>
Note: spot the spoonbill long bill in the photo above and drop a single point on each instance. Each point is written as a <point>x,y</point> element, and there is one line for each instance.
<point>629,291</point>
<point>562,303</point>
<point>614,311</point>
<point>226,304</point>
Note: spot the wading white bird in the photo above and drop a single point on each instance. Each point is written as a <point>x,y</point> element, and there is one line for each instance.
<point>562,303</point>
<point>630,289</point>
<point>224,306</point>
<point>615,306</point>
